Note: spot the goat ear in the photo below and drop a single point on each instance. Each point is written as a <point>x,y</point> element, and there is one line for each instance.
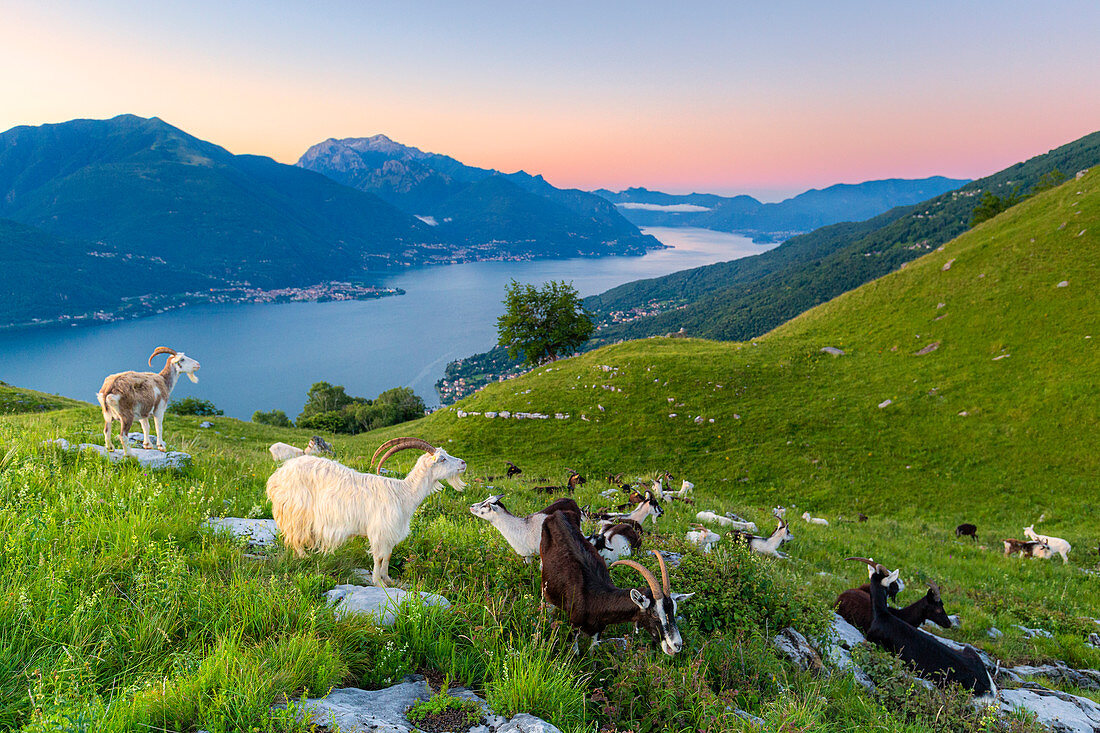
<point>681,597</point>
<point>641,600</point>
<point>891,578</point>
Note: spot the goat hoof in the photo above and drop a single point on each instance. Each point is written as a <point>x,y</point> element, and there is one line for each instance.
<point>162,448</point>
<point>147,445</point>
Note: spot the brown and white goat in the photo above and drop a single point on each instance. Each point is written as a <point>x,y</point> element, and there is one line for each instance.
<point>129,396</point>
<point>1028,548</point>
<point>576,579</point>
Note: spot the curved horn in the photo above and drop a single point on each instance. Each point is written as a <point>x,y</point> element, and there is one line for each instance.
<point>649,579</point>
<point>161,350</point>
<point>935,588</point>
<point>872,563</point>
<point>664,572</point>
<point>406,444</point>
<point>384,447</point>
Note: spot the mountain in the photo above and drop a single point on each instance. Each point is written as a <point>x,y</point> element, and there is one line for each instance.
<point>46,277</point>
<point>770,222</point>
<point>146,188</point>
<point>748,297</point>
<point>476,206</point>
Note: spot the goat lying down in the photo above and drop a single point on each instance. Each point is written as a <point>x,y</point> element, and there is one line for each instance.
<point>576,579</point>
<point>319,503</point>
<point>523,534</point>
<point>854,606</point>
<point>928,655</point>
<point>317,446</point>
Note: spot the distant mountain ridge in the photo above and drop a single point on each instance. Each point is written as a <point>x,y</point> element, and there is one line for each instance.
<point>775,222</point>
<point>473,205</point>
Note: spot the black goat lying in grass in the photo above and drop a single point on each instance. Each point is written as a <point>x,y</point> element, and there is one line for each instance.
<point>929,656</point>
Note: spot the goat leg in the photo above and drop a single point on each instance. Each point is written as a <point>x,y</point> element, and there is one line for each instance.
<point>145,433</point>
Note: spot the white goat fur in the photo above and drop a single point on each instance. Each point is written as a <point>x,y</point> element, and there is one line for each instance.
<point>725,521</point>
<point>815,520</point>
<point>318,503</point>
<point>1057,544</point>
<point>703,537</point>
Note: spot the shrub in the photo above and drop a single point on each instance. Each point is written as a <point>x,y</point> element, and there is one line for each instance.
<point>277,418</point>
<point>193,406</point>
<point>329,408</point>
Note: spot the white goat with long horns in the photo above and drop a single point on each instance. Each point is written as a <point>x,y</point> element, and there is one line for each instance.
<point>129,396</point>
<point>318,503</point>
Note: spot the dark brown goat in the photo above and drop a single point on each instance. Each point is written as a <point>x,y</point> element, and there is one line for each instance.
<point>967,530</point>
<point>854,606</point>
<point>576,579</point>
<point>513,470</point>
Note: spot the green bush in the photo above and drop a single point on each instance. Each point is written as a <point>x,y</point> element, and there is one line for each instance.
<point>277,418</point>
<point>193,406</point>
<point>329,408</point>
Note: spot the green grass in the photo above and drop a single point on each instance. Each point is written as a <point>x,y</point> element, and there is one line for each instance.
<point>118,611</point>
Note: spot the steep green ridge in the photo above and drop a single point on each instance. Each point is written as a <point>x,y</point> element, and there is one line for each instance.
<point>747,297</point>
<point>15,400</point>
<point>479,206</point>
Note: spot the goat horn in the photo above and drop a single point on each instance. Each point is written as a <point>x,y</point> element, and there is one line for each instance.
<point>872,563</point>
<point>398,441</point>
<point>649,579</point>
<point>664,572</point>
<point>407,444</point>
<point>161,350</point>
<point>935,588</point>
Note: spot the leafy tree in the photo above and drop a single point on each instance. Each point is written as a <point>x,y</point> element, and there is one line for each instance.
<point>325,397</point>
<point>1050,179</point>
<point>543,323</point>
<point>991,204</point>
<point>193,406</point>
<point>329,408</point>
<point>277,418</point>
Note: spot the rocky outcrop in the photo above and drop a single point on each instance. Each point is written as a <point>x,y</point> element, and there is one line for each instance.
<point>257,532</point>
<point>149,458</point>
<point>380,605</point>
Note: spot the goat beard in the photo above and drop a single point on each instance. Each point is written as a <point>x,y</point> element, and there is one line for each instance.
<point>192,377</point>
<point>457,483</point>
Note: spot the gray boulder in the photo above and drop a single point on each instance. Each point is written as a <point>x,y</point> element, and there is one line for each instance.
<point>1086,679</point>
<point>832,350</point>
<point>257,532</point>
<point>379,604</point>
<point>1064,713</point>
<point>795,647</point>
<point>149,458</point>
<point>383,711</point>
<point>841,639</point>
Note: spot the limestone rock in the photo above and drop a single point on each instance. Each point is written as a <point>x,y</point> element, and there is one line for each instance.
<point>832,350</point>
<point>929,348</point>
<point>797,649</point>
<point>258,532</point>
<point>842,638</point>
<point>206,424</point>
<point>1064,713</point>
<point>947,265</point>
<point>380,604</point>
<point>1086,679</point>
<point>149,458</point>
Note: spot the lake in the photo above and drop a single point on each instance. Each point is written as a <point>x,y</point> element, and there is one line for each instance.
<point>263,357</point>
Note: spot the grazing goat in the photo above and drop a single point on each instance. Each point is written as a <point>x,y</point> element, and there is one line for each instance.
<point>766,545</point>
<point>1028,548</point>
<point>614,541</point>
<point>523,534</point>
<point>721,521</point>
<point>814,520</point>
<point>967,530</point>
<point>317,445</point>
<point>1057,544</point>
<point>318,503</point>
<point>129,396</point>
<point>575,480</point>
<point>855,607</point>
<point>513,470</point>
<point>576,579</point>
<point>928,655</point>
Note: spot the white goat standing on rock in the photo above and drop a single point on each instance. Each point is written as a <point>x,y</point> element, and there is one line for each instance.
<point>318,503</point>
<point>129,396</point>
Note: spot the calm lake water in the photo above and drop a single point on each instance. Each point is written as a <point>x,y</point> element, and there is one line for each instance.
<point>263,357</point>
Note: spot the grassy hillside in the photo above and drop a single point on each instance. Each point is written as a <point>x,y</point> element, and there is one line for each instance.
<point>119,611</point>
<point>749,297</point>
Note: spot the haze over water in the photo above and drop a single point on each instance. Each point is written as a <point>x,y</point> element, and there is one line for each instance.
<point>263,357</point>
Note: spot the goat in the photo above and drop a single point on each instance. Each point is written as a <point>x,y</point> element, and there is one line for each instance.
<point>523,534</point>
<point>967,530</point>
<point>647,507</point>
<point>855,607</point>
<point>318,503</point>
<point>766,545</point>
<point>779,512</point>
<point>725,521</point>
<point>317,445</point>
<point>129,396</point>
<point>1028,548</point>
<point>575,480</point>
<point>683,492</point>
<point>814,520</point>
<point>614,541</point>
<point>927,654</point>
<point>513,470</point>
<point>576,579</point>
<point>1057,544</point>
<point>862,517</point>
<point>700,535</point>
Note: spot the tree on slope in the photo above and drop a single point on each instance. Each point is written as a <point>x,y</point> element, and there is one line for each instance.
<point>543,324</point>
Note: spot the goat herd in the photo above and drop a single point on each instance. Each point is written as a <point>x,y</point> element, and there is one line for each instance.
<point>319,503</point>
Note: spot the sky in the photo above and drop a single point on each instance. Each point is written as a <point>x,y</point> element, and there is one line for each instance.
<point>727,97</point>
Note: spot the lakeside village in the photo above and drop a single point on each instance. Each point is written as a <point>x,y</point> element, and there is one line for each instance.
<point>151,304</point>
